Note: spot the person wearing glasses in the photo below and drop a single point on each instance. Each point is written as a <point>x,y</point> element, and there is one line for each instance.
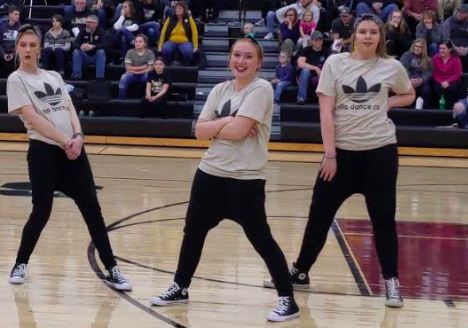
<point>56,157</point>
<point>230,180</point>
<point>90,49</point>
<point>361,154</point>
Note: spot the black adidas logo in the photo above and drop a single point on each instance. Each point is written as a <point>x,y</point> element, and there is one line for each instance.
<point>50,96</point>
<point>362,94</point>
<point>226,111</point>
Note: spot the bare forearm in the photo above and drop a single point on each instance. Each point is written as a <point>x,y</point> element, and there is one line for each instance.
<point>230,132</point>
<point>208,130</point>
<point>46,129</point>
<point>327,126</point>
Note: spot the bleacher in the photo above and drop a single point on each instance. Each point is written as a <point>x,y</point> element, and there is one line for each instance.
<point>191,86</point>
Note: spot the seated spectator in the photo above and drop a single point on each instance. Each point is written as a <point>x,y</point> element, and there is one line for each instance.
<point>342,29</point>
<point>269,8</point>
<point>455,29</point>
<point>150,13</point>
<point>413,11</point>
<point>75,16</point>
<point>306,28</point>
<point>125,28</point>
<point>95,7</point>
<point>431,31</point>
<point>289,32</point>
<point>179,33</point>
<point>381,8</point>
<point>57,44</point>
<point>398,35</point>
<point>419,67</point>
<point>445,8</point>
<point>199,9</point>
<point>249,31</point>
<point>310,62</point>
<point>283,76</point>
<point>300,7</point>
<point>8,34</point>
<point>157,91</point>
<point>326,17</point>
<point>447,73</point>
<point>138,62</point>
<point>334,6</point>
<point>459,114</point>
<point>89,49</point>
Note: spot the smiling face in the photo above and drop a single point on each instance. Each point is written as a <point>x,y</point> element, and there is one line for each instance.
<point>28,49</point>
<point>444,50</point>
<point>244,60</point>
<point>417,48</point>
<point>367,37</point>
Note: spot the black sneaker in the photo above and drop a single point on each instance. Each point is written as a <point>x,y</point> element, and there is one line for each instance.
<point>392,293</point>
<point>174,295</point>
<point>299,280</point>
<point>287,309</point>
<point>18,274</point>
<point>117,280</point>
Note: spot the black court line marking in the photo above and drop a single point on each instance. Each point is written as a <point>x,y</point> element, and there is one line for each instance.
<point>450,304</point>
<point>353,266</point>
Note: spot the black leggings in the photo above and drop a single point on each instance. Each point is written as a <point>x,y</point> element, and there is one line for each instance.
<point>50,170</point>
<point>372,173</point>
<point>212,199</point>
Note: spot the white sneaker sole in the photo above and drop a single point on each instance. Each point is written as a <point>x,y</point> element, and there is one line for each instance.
<point>270,284</point>
<point>276,318</point>
<point>394,304</point>
<point>121,287</point>
<point>159,302</point>
<point>16,280</point>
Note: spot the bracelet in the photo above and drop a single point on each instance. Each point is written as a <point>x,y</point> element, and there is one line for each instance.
<point>329,156</point>
<point>79,134</point>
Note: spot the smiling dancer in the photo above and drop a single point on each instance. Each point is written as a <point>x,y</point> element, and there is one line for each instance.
<point>361,154</point>
<point>56,156</point>
<point>230,181</point>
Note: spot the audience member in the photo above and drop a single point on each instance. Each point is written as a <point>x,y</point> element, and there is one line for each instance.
<point>125,28</point>
<point>381,8</point>
<point>306,28</point>
<point>89,49</point>
<point>413,10</point>
<point>75,16</point>
<point>283,76</point>
<point>459,114</point>
<point>179,33</point>
<point>150,12</point>
<point>419,67</point>
<point>249,31</point>
<point>8,34</point>
<point>289,32</point>
<point>157,91</point>
<point>447,73</point>
<point>455,29</point>
<point>95,7</point>
<point>341,30</point>
<point>310,63</point>
<point>138,62</point>
<point>57,44</point>
<point>398,35</point>
<point>200,7</point>
<point>445,8</point>
<point>431,31</point>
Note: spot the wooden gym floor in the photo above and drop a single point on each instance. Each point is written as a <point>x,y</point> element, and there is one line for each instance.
<point>144,199</point>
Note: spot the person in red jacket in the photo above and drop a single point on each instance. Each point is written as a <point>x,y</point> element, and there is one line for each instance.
<point>447,73</point>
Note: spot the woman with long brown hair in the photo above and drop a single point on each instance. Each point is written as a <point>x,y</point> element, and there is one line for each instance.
<point>398,35</point>
<point>56,157</point>
<point>361,154</point>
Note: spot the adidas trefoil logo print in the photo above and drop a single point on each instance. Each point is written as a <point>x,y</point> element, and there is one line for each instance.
<point>226,111</point>
<point>362,93</point>
<point>50,96</point>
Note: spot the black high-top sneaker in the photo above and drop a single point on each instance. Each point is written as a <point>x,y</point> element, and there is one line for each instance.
<point>174,295</point>
<point>392,293</point>
<point>300,280</point>
<point>287,309</point>
<point>117,280</point>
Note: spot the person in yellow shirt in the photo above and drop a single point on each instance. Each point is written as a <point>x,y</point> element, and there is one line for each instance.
<point>179,33</point>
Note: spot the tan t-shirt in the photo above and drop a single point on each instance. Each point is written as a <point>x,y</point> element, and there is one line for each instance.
<point>48,95</point>
<point>245,159</point>
<point>361,88</point>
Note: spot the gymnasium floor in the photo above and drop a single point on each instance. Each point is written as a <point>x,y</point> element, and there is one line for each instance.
<point>144,199</point>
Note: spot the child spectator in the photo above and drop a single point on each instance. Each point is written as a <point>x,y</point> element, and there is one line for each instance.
<point>249,31</point>
<point>306,28</point>
<point>283,76</point>
<point>57,44</point>
<point>158,84</point>
<point>138,62</point>
<point>459,114</point>
<point>8,34</point>
<point>398,35</point>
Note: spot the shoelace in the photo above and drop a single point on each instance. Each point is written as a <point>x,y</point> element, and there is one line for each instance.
<point>117,275</point>
<point>393,288</point>
<point>283,305</point>
<point>19,270</point>
<point>171,291</point>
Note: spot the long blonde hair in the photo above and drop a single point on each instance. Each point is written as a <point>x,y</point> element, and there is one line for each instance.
<point>401,28</point>
<point>381,50</point>
<point>425,60</point>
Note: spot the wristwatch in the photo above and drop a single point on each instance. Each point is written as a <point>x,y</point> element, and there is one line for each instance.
<point>79,134</point>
